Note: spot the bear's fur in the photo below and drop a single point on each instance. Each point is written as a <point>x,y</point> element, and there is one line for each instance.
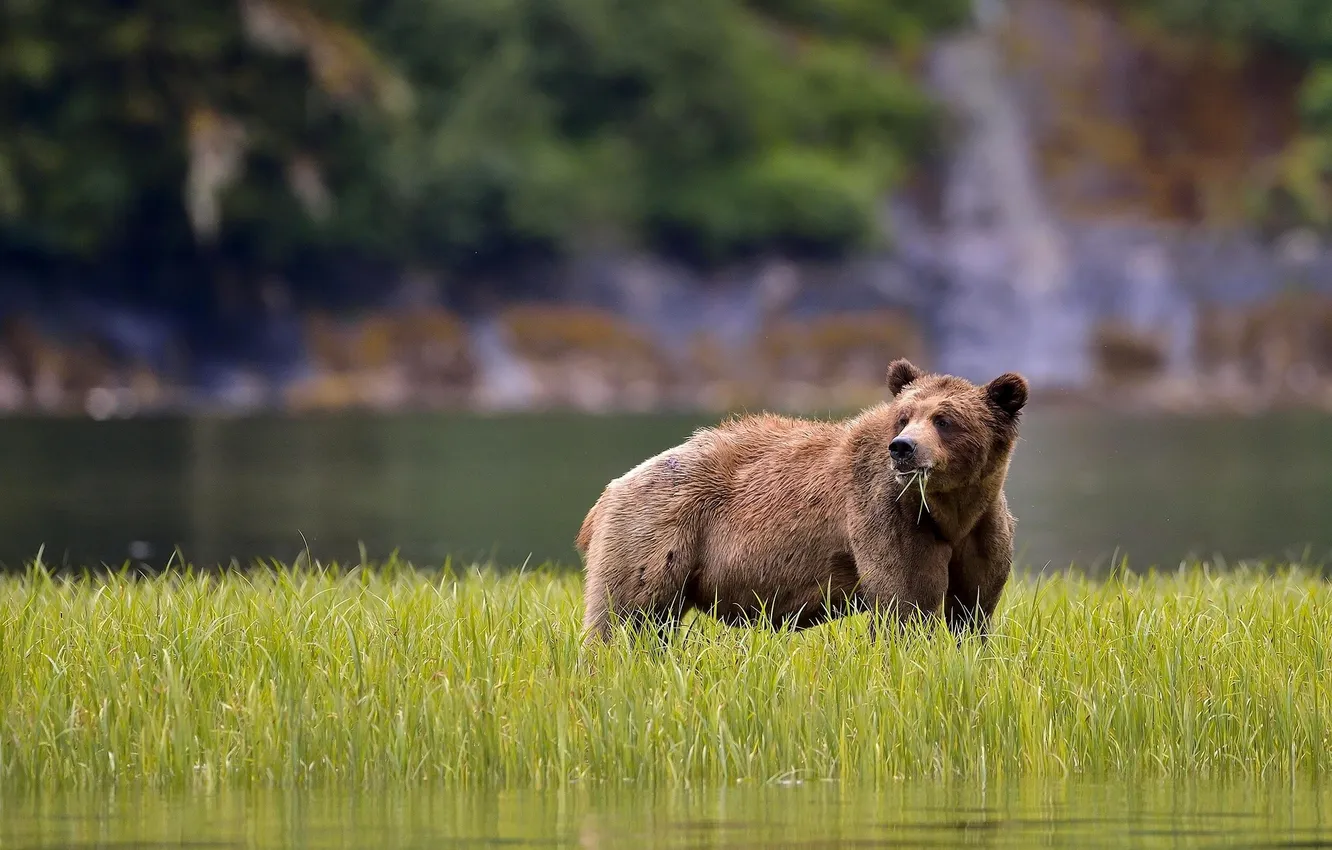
<point>796,522</point>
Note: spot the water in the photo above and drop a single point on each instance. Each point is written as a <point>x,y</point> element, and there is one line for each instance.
<point>813,815</point>
<point>1083,486</point>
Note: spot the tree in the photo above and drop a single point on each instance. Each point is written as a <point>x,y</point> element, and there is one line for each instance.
<point>160,139</point>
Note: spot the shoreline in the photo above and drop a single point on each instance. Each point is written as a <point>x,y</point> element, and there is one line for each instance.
<point>1147,402</point>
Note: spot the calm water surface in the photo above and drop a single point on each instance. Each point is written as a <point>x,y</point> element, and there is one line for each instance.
<point>1083,486</point>
<point>803,816</point>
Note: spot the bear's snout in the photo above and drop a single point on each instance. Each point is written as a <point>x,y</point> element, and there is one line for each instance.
<point>903,452</point>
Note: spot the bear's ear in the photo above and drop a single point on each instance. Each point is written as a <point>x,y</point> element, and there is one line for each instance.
<point>1008,392</point>
<point>900,373</point>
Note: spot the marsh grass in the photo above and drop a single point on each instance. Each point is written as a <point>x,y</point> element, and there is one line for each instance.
<point>397,675</point>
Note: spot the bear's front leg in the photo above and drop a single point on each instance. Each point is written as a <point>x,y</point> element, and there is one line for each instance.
<point>978,572</point>
<point>902,577</point>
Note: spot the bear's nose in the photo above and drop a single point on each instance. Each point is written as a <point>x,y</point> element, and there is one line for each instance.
<point>902,448</point>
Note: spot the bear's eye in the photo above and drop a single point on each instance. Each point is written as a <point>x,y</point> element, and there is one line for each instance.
<point>903,420</point>
<point>942,421</point>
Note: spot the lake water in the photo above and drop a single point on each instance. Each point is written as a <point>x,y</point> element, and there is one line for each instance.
<point>817,815</point>
<point>1084,486</point>
<point>517,487</point>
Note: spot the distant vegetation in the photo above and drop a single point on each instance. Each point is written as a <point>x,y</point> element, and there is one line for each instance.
<point>208,142</point>
<point>386,675</point>
<point>200,142</point>
<point>190,156</point>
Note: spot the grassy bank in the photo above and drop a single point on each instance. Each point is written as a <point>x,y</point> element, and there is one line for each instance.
<point>410,676</point>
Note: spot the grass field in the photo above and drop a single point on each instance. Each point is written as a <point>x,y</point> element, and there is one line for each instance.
<point>398,675</point>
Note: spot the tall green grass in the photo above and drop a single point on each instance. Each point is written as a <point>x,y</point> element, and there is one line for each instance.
<point>399,675</point>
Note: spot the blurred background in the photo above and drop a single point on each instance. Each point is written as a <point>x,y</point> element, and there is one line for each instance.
<point>422,275</point>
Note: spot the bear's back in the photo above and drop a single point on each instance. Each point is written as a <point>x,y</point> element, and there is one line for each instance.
<point>734,459</point>
<point>735,450</point>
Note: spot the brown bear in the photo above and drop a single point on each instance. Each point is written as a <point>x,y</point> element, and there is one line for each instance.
<point>784,521</point>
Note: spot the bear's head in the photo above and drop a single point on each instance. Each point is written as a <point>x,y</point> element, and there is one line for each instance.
<point>955,431</point>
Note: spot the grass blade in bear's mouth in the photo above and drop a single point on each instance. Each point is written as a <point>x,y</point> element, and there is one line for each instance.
<point>923,479</point>
<point>910,479</point>
<point>919,477</point>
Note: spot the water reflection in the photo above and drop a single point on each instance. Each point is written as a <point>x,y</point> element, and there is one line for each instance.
<point>810,815</point>
<point>515,487</point>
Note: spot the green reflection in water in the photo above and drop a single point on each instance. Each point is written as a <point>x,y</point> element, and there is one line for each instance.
<point>1034,814</point>
<point>515,488</point>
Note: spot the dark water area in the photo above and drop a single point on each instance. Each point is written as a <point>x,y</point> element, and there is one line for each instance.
<point>1085,487</point>
<point>811,815</point>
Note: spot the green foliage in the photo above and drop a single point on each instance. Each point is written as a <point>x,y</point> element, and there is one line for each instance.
<point>1298,26</point>
<point>708,126</point>
<point>690,125</point>
<point>98,97</point>
<point>392,676</point>
<point>904,21</point>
